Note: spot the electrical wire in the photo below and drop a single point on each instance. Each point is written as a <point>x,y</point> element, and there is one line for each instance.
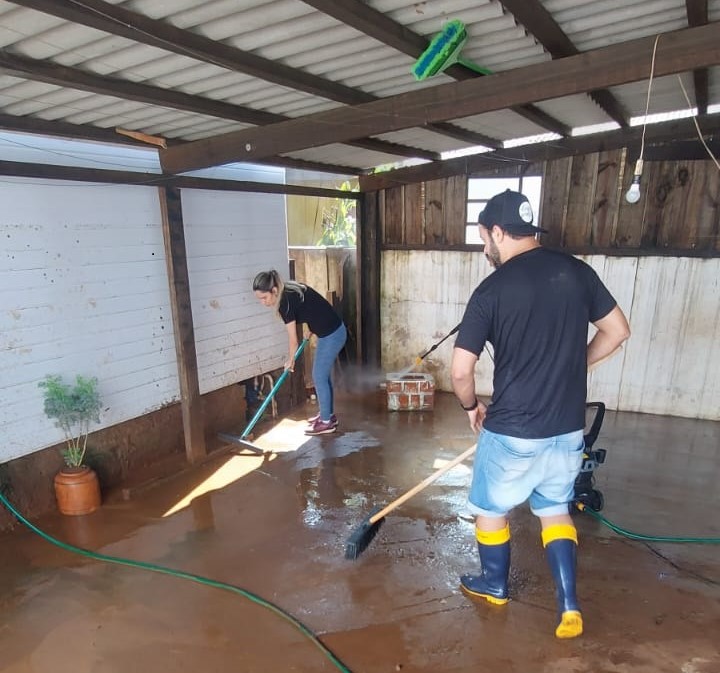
<point>142,565</point>
<point>647,99</point>
<point>639,536</point>
<point>697,127</point>
<point>84,157</point>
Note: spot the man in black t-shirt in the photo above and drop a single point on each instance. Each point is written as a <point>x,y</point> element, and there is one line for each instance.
<point>535,310</point>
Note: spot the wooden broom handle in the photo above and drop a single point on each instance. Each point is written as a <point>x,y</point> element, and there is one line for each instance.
<point>456,461</point>
<point>423,484</point>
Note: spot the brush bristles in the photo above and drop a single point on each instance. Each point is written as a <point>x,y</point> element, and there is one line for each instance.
<point>361,538</point>
<point>440,50</point>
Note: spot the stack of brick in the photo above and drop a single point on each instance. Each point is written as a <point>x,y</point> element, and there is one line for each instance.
<point>410,392</point>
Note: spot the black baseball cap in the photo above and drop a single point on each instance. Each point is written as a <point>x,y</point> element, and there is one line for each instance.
<point>512,212</point>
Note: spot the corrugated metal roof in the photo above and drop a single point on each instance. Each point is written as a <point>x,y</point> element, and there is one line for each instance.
<point>294,34</point>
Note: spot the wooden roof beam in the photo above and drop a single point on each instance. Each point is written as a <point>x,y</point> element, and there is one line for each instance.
<point>677,51</point>
<point>44,71</point>
<point>106,176</point>
<point>382,28</point>
<point>697,13</point>
<point>662,132</point>
<point>117,20</point>
<point>61,129</point>
<point>538,21</point>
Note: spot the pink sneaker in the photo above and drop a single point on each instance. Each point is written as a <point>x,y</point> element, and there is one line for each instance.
<point>316,417</point>
<point>320,427</point>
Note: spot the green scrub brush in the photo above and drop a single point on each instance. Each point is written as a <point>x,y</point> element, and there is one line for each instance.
<point>444,51</point>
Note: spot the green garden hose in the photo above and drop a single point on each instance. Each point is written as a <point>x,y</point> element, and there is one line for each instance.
<point>644,538</point>
<point>185,576</point>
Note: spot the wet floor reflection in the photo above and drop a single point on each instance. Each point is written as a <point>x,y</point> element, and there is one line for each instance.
<point>280,528</point>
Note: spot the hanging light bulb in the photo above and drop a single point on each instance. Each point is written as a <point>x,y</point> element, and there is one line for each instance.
<point>633,194</point>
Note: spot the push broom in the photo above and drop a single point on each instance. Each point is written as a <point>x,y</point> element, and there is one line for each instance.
<point>365,533</point>
<point>443,51</point>
<point>243,438</point>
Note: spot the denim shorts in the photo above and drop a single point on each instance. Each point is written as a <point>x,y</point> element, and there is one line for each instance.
<point>509,470</point>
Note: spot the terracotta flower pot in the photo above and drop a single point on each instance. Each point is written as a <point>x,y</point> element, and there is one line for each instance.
<point>77,490</point>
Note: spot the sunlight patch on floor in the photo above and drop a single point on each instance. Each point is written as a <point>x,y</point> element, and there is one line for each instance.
<point>234,468</point>
<point>287,435</point>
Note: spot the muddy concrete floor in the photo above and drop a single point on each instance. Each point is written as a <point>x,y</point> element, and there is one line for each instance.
<point>277,525</point>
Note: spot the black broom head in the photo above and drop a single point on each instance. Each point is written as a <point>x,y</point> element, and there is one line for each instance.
<point>362,536</point>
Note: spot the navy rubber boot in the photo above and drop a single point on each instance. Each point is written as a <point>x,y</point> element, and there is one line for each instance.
<point>561,554</point>
<point>491,583</point>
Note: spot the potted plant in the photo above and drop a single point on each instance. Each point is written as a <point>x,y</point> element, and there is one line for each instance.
<point>73,408</point>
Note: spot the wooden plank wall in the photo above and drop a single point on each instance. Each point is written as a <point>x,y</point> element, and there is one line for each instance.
<point>427,215</point>
<point>584,206</point>
<point>330,271</point>
<point>647,253</point>
<point>670,365</point>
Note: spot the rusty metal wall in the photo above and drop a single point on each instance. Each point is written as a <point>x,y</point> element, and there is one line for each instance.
<point>670,365</point>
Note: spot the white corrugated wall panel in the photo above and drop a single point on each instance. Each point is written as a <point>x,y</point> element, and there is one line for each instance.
<point>230,237</point>
<point>618,274</point>
<point>423,297</point>
<point>670,365</point>
<point>83,290</point>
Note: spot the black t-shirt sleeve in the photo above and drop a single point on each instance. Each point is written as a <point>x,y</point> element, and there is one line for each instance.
<point>310,308</point>
<point>475,326</point>
<point>601,301</point>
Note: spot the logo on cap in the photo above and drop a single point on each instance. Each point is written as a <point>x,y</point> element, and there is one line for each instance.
<point>525,212</point>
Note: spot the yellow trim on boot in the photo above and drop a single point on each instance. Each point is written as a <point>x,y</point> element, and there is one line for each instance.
<point>560,531</point>
<point>489,598</point>
<point>570,626</point>
<point>493,537</point>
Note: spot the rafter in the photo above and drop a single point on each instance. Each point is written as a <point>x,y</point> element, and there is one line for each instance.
<point>609,66</point>
<point>58,75</point>
<point>697,13</point>
<point>105,176</point>
<point>61,129</point>
<point>539,22</point>
<point>662,132</point>
<point>117,20</point>
<point>377,25</point>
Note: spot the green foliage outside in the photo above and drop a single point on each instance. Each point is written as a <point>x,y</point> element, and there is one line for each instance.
<point>73,407</point>
<point>339,220</point>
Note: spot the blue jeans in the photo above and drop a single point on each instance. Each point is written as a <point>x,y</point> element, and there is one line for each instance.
<point>510,470</point>
<point>327,350</point>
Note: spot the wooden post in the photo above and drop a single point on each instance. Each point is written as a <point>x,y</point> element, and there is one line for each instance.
<point>178,280</point>
<point>369,282</point>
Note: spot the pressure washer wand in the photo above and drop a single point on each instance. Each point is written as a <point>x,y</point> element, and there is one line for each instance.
<point>420,358</point>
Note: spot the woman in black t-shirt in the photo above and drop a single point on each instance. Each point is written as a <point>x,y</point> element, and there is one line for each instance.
<point>298,303</point>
